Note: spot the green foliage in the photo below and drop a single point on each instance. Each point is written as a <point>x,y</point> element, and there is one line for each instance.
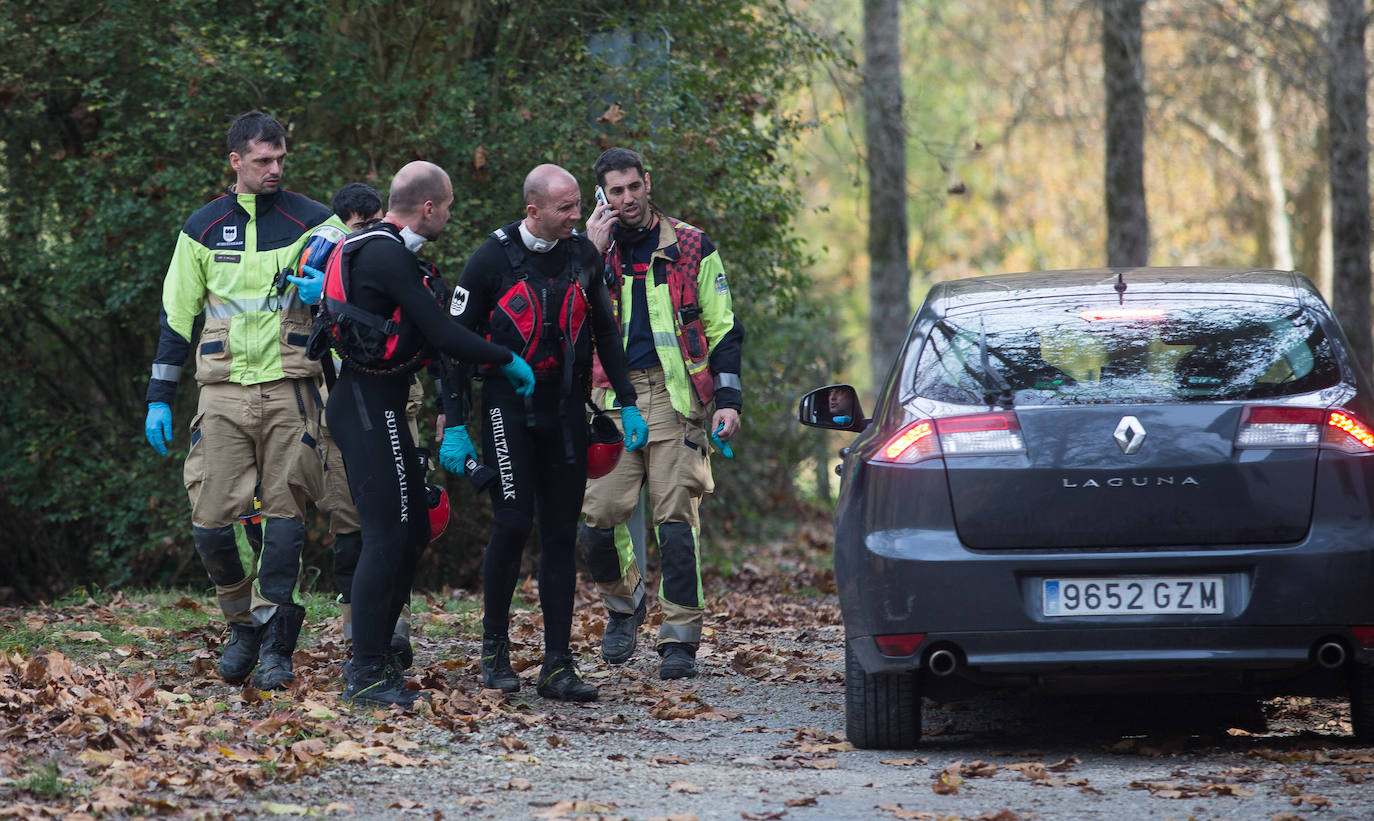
<point>111,133</point>
<point>46,780</point>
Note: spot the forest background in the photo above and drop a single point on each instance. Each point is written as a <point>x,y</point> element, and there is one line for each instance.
<point>112,121</point>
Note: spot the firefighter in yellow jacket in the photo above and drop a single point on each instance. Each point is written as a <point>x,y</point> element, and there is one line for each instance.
<point>682,345</point>
<point>257,419</point>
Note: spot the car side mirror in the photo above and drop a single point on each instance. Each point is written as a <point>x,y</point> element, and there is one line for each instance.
<point>834,407</point>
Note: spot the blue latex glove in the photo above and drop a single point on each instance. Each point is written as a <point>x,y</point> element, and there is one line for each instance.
<point>636,432</point>
<point>308,286</point>
<point>722,445</point>
<point>517,370</point>
<point>455,450</point>
<point>158,426</point>
<point>842,420</point>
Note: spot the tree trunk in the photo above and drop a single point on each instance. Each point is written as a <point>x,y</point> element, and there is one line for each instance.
<point>1128,224</point>
<point>1271,168</point>
<point>889,278</point>
<point>1346,109</point>
<point>1325,273</point>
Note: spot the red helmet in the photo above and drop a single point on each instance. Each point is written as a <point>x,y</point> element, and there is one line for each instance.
<point>438,509</point>
<point>604,445</point>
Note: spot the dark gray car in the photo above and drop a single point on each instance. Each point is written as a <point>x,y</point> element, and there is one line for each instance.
<point>1119,480</point>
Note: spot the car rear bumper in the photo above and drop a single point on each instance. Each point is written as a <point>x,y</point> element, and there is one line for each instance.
<point>1121,651</point>
<point>1281,604</point>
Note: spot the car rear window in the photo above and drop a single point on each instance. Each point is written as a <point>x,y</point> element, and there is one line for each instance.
<point>1057,353</point>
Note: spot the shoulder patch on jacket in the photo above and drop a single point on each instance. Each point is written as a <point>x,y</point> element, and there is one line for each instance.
<point>459,302</point>
<point>721,286</point>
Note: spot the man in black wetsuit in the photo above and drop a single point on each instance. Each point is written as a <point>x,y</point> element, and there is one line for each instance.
<point>391,321</point>
<point>536,287</point>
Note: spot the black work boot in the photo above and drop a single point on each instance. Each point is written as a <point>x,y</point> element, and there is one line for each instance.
<point>622,634</point>
<point>558,680</point>
<point>378,686</point>
<point>401,655</point>
<point>278,643</point>
<point>679,660</point>
<point>496,670</point>
<point>239,655</point>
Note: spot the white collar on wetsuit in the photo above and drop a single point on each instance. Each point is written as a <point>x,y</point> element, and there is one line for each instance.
<point>535,244</point>
<point>412,240</point>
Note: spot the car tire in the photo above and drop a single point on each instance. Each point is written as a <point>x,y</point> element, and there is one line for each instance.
<point>1362,702</point>
<point>882,711</point>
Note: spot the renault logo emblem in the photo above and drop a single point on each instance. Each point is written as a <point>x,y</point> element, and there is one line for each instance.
<point>1129,435</point>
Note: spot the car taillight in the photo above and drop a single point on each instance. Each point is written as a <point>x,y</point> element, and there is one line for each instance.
<point>899,644</point>
<point>1348,433</point>
<point>912,443</point>
<point>982,433</point>
<point>974,435</point>
<point>1364,634</point>
<point>1282,427</point>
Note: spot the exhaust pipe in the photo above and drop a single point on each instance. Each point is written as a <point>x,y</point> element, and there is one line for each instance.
<point>943,662</point>
<point>1331,654</point>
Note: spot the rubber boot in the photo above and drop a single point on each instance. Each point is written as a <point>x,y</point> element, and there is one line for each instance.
<point>239,655</point>
<point>495,663</point>
<point>558,680</point>
<point>679,660</point>
<point>378,685</point>
<point>622,634</point>
<point>278,643</point>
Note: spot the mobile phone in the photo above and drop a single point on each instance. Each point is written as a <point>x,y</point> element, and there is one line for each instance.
<point>601,199</point>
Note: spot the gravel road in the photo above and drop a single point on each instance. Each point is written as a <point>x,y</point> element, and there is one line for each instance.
<point>760,735</point>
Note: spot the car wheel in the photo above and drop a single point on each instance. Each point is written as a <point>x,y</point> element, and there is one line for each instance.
<point>882,711</point>
<point>1362,702</point>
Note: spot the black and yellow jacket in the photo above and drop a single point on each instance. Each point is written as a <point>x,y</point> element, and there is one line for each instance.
<point>227,263</point>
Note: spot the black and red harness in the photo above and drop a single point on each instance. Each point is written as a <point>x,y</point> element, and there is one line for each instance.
<point>365,340</point>
<point>542,320</point>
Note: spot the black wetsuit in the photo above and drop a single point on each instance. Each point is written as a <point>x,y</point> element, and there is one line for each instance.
<point>539,445</point>
<point>366,415</point>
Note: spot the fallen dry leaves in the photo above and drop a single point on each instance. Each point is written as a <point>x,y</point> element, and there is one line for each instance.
<point>1178,789</point>
<point>150,729</point>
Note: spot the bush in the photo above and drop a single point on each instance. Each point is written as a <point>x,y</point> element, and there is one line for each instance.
<point>113,133</point>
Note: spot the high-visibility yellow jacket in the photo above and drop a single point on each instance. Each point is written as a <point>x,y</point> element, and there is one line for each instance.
<point>694,378</point>
<point>230,262</point>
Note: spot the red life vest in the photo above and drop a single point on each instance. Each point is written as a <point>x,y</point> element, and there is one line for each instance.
<point>681,267</point>
<point>519,320</point>
<point>365,340</point>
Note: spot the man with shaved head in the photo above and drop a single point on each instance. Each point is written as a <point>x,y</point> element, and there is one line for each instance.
<point>535,287</point>
<point>386,306</point>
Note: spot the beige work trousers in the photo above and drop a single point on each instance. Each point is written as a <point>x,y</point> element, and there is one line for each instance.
<point>676,466</point>
<point>244,436</point>
<point>253,438</point>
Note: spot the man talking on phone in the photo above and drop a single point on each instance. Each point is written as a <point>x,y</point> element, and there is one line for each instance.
<point>682,345</point>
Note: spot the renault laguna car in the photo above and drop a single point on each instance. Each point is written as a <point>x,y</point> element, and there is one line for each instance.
<point>1124,480</point>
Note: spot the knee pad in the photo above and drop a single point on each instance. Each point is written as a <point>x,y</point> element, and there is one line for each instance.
<point>681,577</point>
<point>348,549</point>
<point>219,552</point>
<point>598,551</point>
<point>280,564</point>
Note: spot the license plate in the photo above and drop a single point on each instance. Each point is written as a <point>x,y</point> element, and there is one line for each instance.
<point>1173,595</point>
